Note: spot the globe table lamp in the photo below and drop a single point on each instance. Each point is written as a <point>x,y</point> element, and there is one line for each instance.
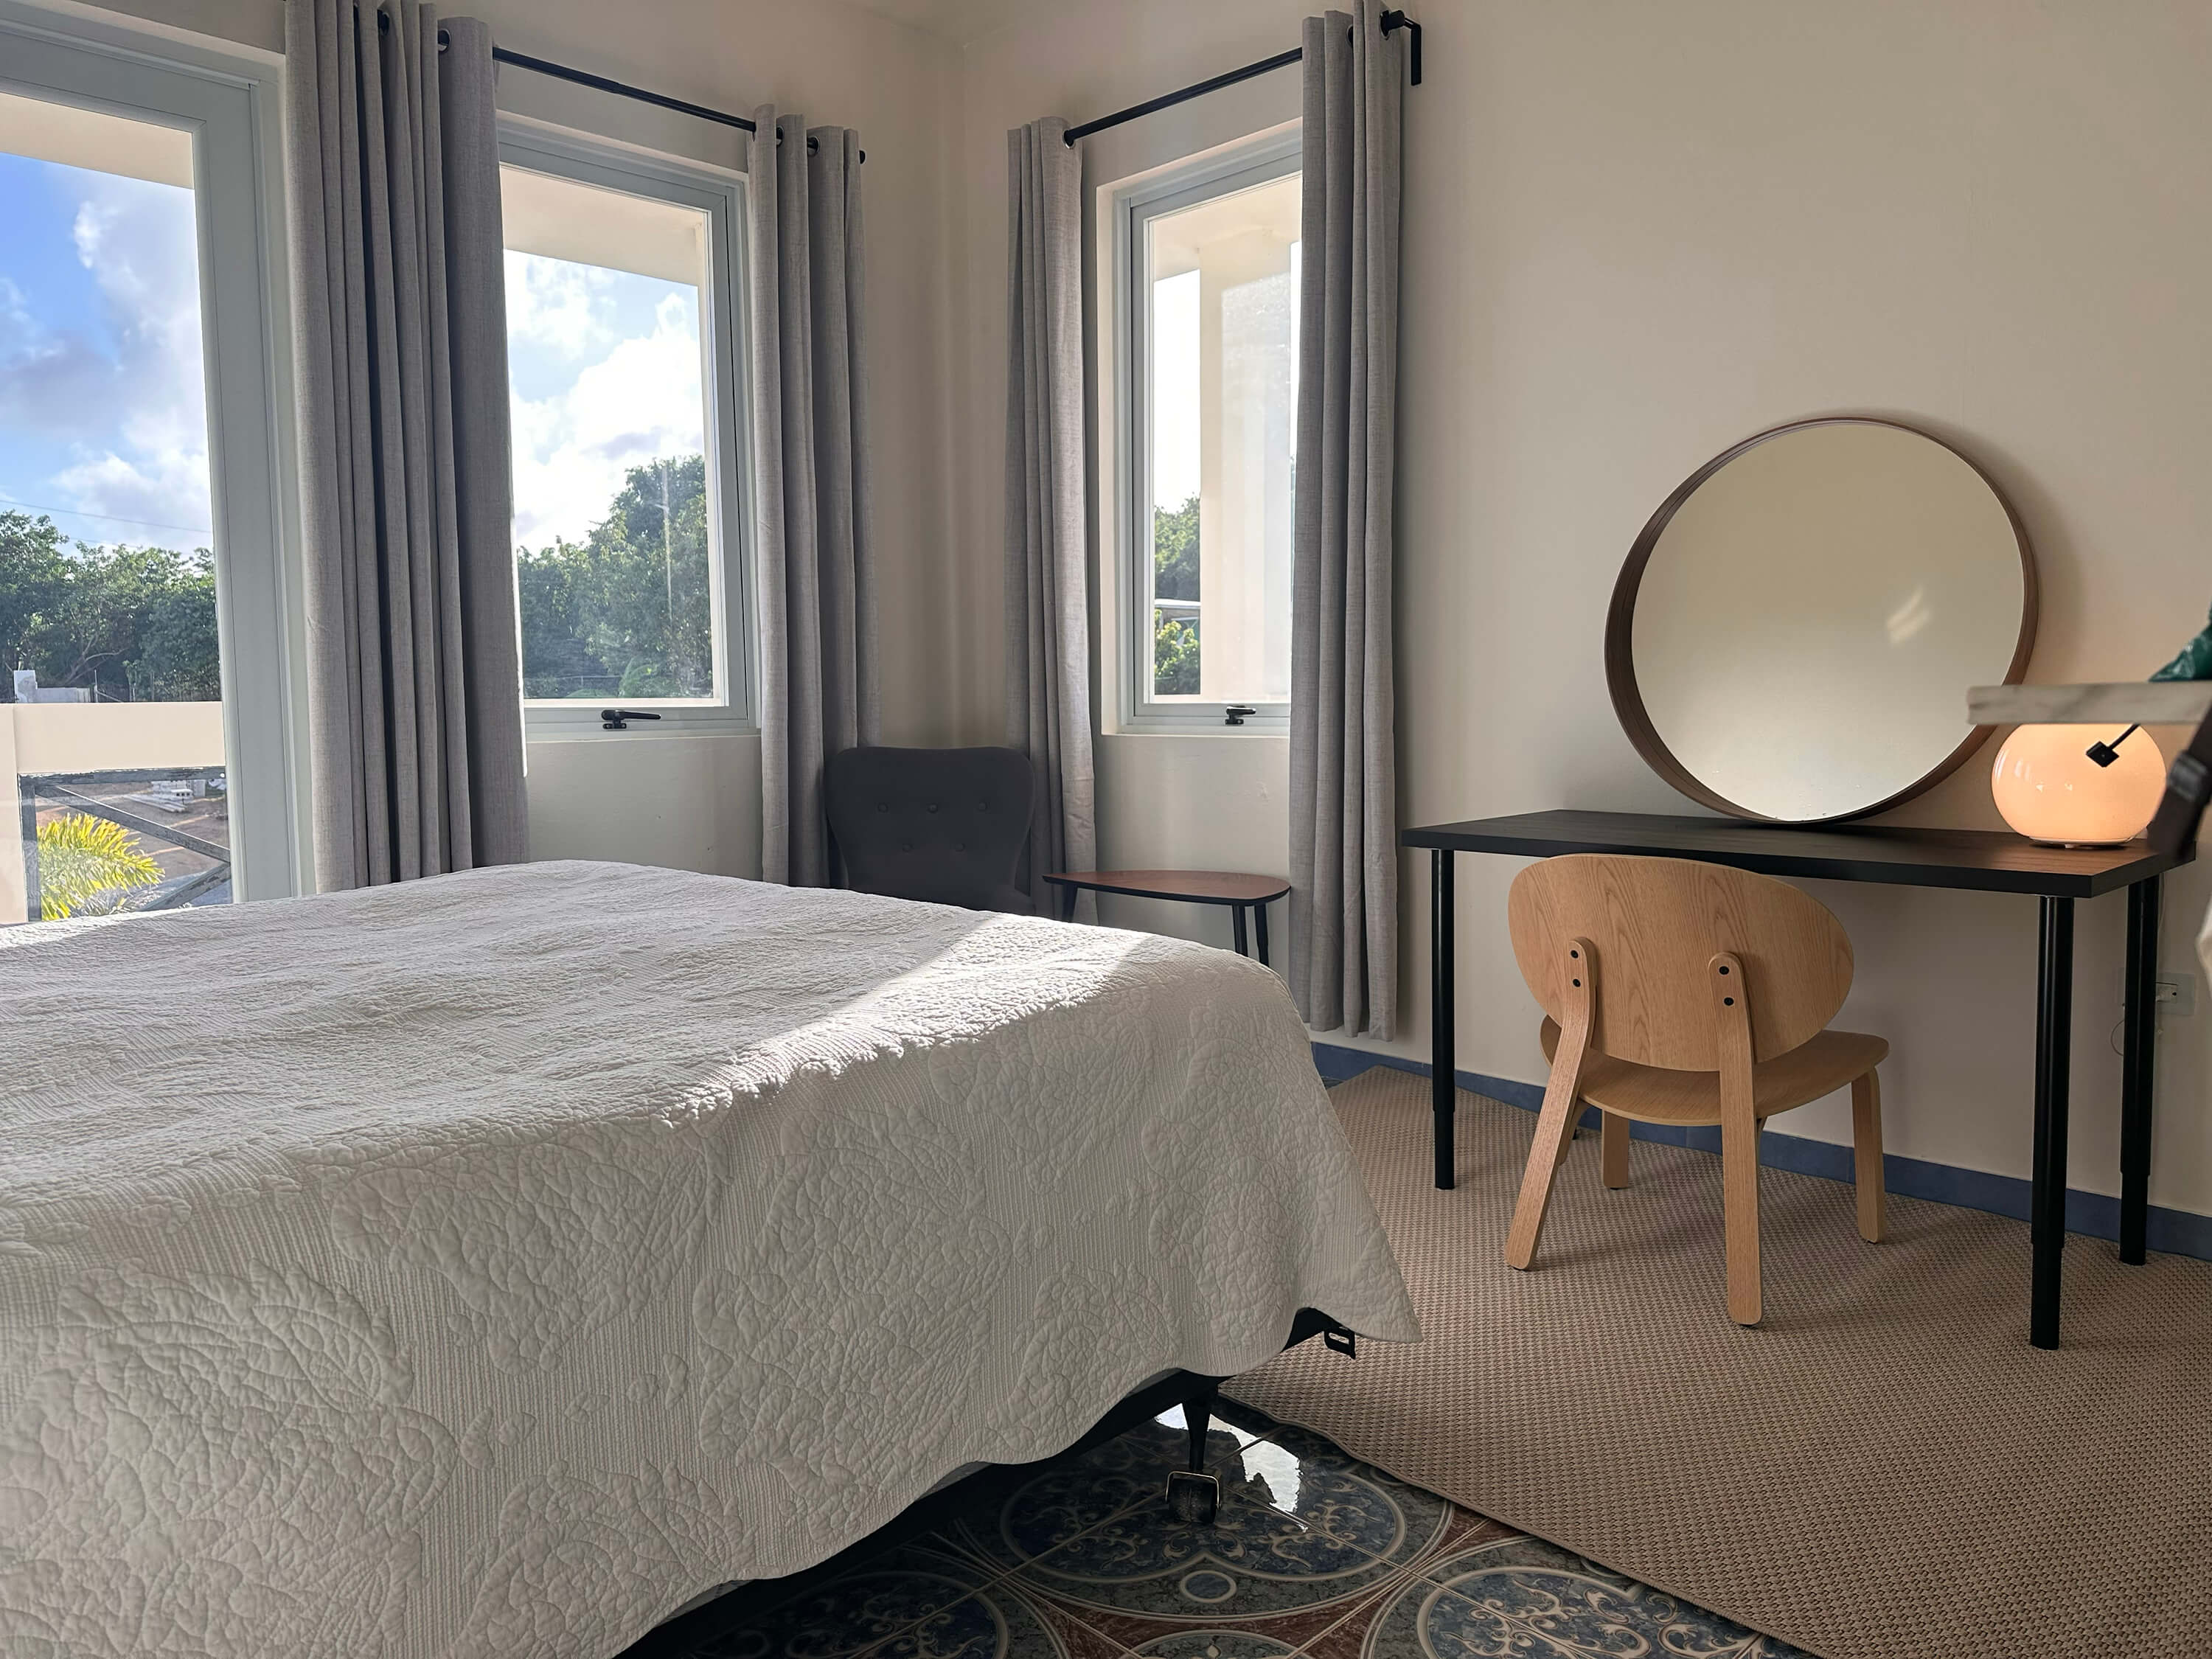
<point>2078,786</point>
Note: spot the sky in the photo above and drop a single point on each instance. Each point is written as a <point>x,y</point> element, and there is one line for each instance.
<point>604,370</point>
<point>103,423</point>
<point>1174,389</point>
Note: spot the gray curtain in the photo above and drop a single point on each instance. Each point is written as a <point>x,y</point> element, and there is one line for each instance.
<point>1047,606</point>
<point>399,318</point>
<point>819,692</point>
<point>1344,854</point>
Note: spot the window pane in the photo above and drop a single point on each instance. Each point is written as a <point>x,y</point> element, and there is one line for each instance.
<point>111,711</point>
<point>614,539</point>
<point>1222,322</point>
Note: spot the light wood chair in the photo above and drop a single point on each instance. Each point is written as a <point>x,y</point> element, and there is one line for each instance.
<point>1675,991</point>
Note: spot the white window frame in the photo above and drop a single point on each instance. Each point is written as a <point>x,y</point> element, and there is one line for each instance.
<point>229,111</point>
<point>1255,161</point>
<point>724,336</point>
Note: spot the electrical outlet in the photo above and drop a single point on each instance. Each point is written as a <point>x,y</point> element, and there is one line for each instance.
<point>2176,993</point>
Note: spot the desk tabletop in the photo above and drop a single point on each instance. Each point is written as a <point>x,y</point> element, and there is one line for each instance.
<point>1204,886</point>
<point>1987,860</point>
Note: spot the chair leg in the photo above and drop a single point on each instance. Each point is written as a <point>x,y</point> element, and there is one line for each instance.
<point>1555,1124</point>
<point>1555,1131</point>
<point>1866,1157</point>
<point>1613,1144</point>
<point>1740,1190</point>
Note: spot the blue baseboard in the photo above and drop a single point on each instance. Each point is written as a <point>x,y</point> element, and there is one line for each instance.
<point>2177,1232</point>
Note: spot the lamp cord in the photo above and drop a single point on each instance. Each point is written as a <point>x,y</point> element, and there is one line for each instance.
<point>2105,753</point>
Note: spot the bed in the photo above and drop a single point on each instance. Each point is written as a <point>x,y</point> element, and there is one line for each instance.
<point>488,1265</point>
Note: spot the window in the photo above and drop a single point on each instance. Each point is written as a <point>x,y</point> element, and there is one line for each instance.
<point>623,361</point>
<point>1208,259</point>
<point>139,611</point>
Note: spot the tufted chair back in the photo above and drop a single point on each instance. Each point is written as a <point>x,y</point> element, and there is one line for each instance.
<point>945,825</point>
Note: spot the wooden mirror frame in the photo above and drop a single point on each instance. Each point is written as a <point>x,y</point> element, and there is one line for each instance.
<point>1620,623</point>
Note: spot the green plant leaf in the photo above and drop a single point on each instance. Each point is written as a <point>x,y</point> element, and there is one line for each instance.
<point>82,857</point>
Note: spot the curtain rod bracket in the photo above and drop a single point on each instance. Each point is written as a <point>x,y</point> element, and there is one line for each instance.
<point>1392,22</point>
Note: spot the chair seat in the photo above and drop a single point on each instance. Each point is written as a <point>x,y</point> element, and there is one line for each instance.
<point>1650,1094</point>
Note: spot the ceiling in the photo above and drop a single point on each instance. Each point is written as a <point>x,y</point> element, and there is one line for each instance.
<point>963,20</point>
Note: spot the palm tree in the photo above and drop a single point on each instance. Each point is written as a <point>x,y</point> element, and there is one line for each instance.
<point>82,857</point>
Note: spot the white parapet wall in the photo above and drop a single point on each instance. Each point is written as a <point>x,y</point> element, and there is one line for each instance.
<point>107,736</point>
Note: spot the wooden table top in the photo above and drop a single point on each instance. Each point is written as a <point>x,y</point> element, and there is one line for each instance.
<point>1201,886</point>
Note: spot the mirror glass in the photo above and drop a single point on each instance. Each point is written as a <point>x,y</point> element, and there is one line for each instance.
<point>1794,633</point>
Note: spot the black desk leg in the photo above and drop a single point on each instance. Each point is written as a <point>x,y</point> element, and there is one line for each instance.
<point>2054,1014</point>
<point>2138,1068</point>
<point>1067,897</point>
<point>1242,948</point>
<point>1444,1097</point>
<point>1260,930</point>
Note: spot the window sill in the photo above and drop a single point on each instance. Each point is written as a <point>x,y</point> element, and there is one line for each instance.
<point>1268,723</point>
<point>544,722</point>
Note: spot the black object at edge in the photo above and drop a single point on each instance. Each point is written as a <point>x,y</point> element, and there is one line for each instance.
<point>618,720</point>
<point>1392,22</point>
<point>2188,791</point>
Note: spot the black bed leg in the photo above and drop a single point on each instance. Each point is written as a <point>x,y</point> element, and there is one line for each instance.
<point>1193,1494</point>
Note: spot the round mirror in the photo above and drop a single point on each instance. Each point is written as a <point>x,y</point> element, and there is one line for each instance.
<point>1794,632</point>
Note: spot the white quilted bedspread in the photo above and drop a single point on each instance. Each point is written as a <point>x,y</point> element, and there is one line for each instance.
<point>489,1264</point>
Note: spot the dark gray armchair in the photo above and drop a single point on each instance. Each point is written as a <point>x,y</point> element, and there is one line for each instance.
<point>945,825</point>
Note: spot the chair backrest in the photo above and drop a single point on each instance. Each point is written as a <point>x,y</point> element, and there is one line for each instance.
<point>1655,925</point>
<point>945,825</point>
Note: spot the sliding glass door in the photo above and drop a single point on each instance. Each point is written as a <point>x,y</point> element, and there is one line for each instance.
<point>143,732</point>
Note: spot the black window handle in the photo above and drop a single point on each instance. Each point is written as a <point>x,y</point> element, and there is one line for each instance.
<point>618,720</point>
<point>1235,713</point>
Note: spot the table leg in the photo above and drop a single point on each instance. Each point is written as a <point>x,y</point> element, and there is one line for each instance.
<point>1260,930</point>
<point>2054,1014</point>
<point>1237,911</point>
<point>1067,897</point>
<point>1443,1095</point>
<point>2138,1067</point>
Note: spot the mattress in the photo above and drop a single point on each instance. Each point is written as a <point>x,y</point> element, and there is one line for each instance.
<point>488,1265</point>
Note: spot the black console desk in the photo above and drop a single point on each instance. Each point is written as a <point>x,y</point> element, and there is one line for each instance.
<point>1979,859</point>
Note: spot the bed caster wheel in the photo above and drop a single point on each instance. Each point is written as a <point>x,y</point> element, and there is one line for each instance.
<point>1193,1499</point>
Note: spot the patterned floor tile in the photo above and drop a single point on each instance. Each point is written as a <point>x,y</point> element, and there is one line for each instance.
<point>1314,1555</point>
<point>843,1616</point>
<point>1521,1595</point>
<point>1267,1569</point>
<point>1300,1473</point>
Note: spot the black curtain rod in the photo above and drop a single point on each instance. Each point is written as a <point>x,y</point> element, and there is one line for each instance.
<point>623,90</point>
<point>1392,22</point>
<point>602,83</point>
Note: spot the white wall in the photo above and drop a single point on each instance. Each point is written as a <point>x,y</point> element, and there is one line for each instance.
<point>1634,234</point>
<point>694,802</point>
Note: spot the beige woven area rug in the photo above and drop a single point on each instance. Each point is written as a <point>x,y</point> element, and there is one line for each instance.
<point>1884,1469</point>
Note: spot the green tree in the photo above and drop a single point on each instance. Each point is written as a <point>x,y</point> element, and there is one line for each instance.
<point>34,573</point>
<point>1175,656</point>
<point>626,612</point>
<point>1175,552</point>
<point>127,624</point>
<point>1175,576</point>
<point>82,858</point>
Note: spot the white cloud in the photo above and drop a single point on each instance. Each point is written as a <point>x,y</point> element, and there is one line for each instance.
<point>638,401</point>
<point>132,406</point>
<point>557,304</point>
